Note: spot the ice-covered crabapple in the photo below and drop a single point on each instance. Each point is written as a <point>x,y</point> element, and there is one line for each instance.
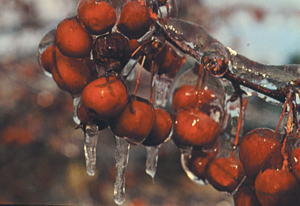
<point>199,159</point>
<point>161,128</point>
<point>88,118</point>
<point>256,146</point>
<point>193,127</point>
<point>135,122</point>
<point>225,173</point>
<point>277,187</point>
<point>106,97</point>
<point>97,17</point>
<point>111,51</point>
<point>70,74</point>
<point>295,162</point>
<point>47,58</point>
<point>134,20</point>
<point>186,96</point>
<point>245,195</point>
<point>72,40</point>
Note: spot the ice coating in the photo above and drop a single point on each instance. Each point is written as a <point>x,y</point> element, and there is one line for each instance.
<point>161,89</point>
<point>196,41</point>
<point>45,42</point>
<point>151,160</point>
<point>122,156</point>
<point>90,145</point>
<point>190,175</point>
<point>76,101</point>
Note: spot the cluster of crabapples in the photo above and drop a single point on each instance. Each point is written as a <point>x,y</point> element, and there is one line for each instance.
<point>86,58</point>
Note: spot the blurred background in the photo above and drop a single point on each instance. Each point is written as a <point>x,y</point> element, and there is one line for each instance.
<point>41,152</point>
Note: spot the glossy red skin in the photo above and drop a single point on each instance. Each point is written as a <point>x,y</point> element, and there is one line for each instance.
<point>98,17</point>
<point>186,97</point>
<point>194,128</point>
<point>255,149</point>
<point>225,174</point>
<point>169,61</point>
<point>277,188</point>
<point>47,58</point>
<point>72,40</point>
<point>245,196</point>
<point>199,159</point>
<point>295,162</point>
<point>161,128</point>
<point>134,20</point>
<point>106,97</point>
<point>135,122</point>
<point>70,74</point>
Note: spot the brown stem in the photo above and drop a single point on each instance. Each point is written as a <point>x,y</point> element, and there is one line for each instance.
<point>288,129</point>
<point>279,95</point>
<point>283,112</point>
<point>139,76</point>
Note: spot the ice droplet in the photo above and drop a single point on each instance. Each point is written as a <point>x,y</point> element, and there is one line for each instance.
<point>151,160</point>
<point>90,145</point>
<point>76,101</point>
<point>190,175</point>
<point>122,156</point>
<point>45,42</point>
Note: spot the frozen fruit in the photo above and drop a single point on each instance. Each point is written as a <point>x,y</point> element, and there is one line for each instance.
<point>186,96</point>
<point>135,122</point>
<point>98,17</point>
<point>106,97</point>
<point>111,51</point>
<point>134,20</point>
<point>161,128</point>
<point>295,162</point>
<point>199,159</point>
<point>276,187</point>
<point>72,40</point>
<point>193,127</point>
<point>225,173</point>
<point>256,146</point>
<point>70,74</point>
<point>47,58</point>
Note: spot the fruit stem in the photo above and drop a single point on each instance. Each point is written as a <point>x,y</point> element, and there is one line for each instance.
<point>238,130</point>
<point>139,76</point>
<point>203,82</point>
<point>288,129</point>
<point>283,112</point>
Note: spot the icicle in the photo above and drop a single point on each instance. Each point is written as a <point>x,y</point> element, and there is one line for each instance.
<point>122,156</point>
<point>151,161</point>
<point>76,101</point>
<point>161,86</point>
<point>90,144</point>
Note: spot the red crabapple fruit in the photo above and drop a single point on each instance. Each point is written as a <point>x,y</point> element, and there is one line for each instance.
<point>161,128</point>
<point>276,187</point>
<point>70,74</point>
<point>97,17</point>
<point>186,97</point>
<point>193,127</point>
<point>106,97</point>
<point>225,173</point>
<point>72,40</point>
<point>295,162</point>
<point>135,122</point>
<point>134,20</point>
<point>256,147</point>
